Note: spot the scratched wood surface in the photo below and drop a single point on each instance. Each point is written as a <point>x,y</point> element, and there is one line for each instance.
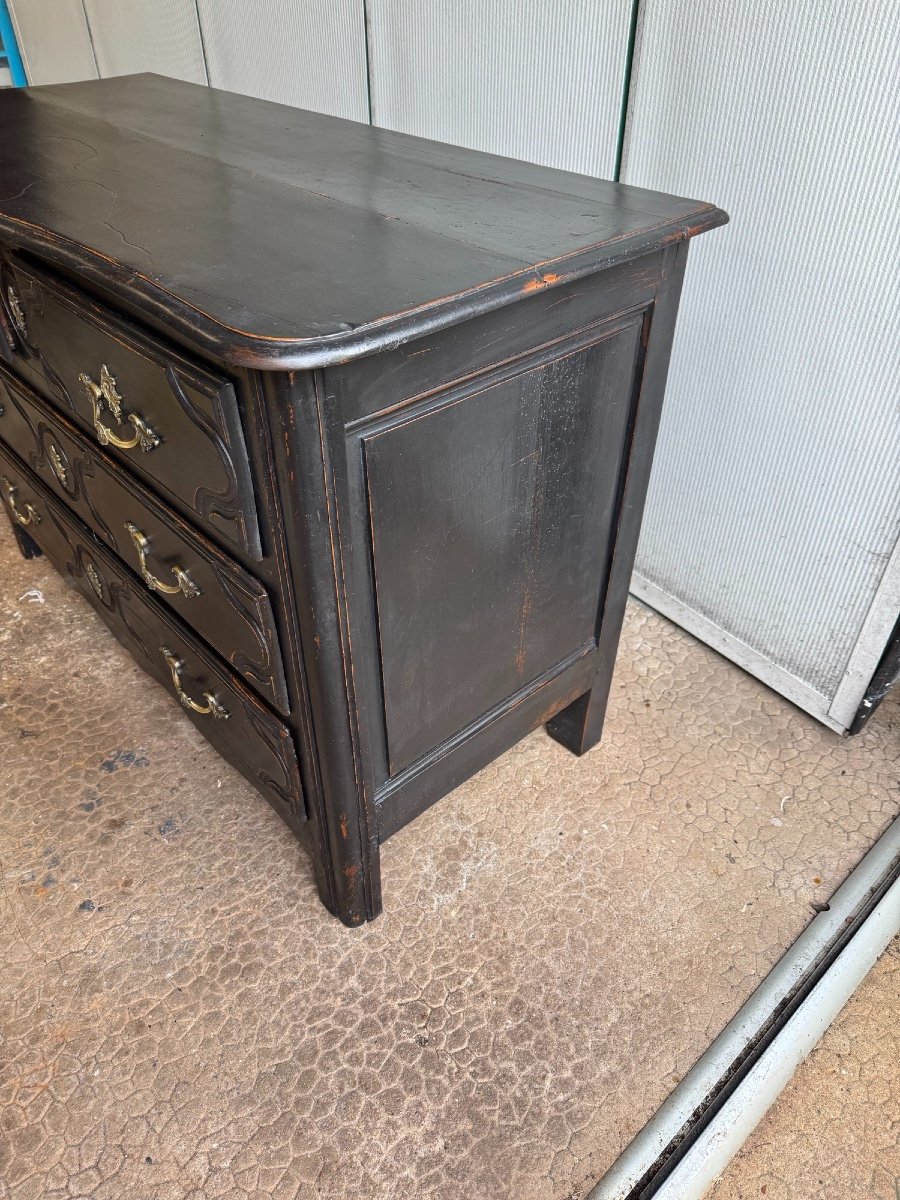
<point>281,234</point>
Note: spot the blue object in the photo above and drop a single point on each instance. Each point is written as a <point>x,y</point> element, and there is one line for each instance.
<point>9,50</point>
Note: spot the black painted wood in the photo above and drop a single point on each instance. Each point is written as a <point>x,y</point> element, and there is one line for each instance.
<point>407,396</point>
<point>123,179</point>
<point>247,734</point>
<point>506,488</point>
<point>226,605</point>
<point>199,460</point>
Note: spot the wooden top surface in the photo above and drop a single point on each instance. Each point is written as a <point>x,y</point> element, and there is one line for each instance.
<point>278,237</point>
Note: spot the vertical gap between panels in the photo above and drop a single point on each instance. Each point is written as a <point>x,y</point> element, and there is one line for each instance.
<point>90,33</point>
<point>367,32</point>
<point>626,86</point>
<point>202,42</point>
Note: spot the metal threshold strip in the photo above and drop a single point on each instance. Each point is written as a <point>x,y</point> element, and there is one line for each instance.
<point>693,1136</point>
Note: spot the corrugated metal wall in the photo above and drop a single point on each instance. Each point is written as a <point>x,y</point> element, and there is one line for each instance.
<point>132,35</point>
<point>772,526</point>
<point>522,78</point>
<point>53,40</point>
<point>304,53</point>
<point>775,500</point>
<point>295,51</point>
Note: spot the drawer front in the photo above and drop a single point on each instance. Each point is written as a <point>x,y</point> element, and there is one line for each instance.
<point>215,596</point>
<point>173,421</point>
<point>238,724</point>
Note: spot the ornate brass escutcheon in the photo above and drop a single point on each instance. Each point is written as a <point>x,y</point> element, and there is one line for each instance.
<point>58,466</point>
<point>212,706</point>
<point>29,516</point>
<point>105,395</point>
<point>94,579</point>
<point>184,583</point>
<point>17,312</point>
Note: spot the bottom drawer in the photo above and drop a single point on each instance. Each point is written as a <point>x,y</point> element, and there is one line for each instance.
<point>240,727</point>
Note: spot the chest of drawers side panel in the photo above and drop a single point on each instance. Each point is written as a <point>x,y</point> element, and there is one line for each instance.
<point>478,479</point>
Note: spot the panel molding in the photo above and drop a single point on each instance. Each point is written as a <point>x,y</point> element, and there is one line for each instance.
<point>530,690</point>
<point>385,422</point>
<point>570,342</point>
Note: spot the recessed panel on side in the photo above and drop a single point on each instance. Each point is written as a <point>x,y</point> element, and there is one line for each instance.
<point>491,513</point>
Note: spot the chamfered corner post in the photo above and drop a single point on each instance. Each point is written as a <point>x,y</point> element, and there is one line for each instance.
<point>345,845</point>
<point>579,726</point>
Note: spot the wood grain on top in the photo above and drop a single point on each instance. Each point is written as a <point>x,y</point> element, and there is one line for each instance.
<point>280,237</point>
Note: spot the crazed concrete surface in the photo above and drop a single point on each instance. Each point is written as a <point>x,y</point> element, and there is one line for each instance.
<point>562,937</point>
<point>835,1129</point>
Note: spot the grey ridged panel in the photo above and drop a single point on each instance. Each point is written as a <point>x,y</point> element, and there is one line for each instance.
<point>53,39</point>
<point>298,52</point>
<point>133,35</point>
<point>525,78</point>
<point>775,498</point>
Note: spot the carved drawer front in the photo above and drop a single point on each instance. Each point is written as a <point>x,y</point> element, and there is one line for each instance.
<point>237,723</point>
<point>215,596</point>
<point>170,419</point>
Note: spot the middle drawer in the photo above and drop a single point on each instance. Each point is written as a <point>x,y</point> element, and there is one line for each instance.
<point>216,597</point>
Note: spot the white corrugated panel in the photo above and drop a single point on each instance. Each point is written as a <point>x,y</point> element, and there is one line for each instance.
<point>134,35</point>
<point>297,52</point>
<point>524,78</point>
<point>775,499</point>
<point>53,40</point>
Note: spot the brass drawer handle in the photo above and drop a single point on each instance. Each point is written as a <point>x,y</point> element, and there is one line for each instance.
<point>29,516</point>
<point>105,395</point>
<point>184,583</point>
<point>212,706</point>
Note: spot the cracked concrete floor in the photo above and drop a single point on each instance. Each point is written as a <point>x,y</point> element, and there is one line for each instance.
<point>835,1129</point>
<point>562,937</point>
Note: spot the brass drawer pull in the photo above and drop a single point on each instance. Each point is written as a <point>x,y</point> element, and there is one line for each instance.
<point>184,583</point>
<point>29,516</point>
<point>212,706</point>
<point>105,395</point>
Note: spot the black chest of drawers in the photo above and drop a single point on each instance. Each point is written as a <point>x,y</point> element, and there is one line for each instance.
<point>344,433</point>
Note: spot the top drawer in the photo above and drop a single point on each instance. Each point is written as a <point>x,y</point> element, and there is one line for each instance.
<point>171,420</point>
